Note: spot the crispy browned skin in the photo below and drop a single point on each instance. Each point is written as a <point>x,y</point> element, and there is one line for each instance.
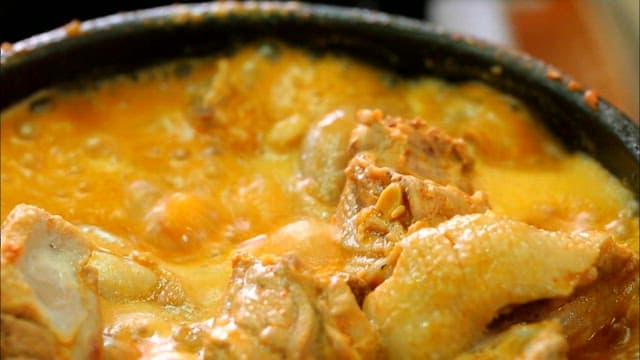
<point>49,302</point>
<point>450,281</point>
<point>275,309</point>
<point>412,147</point>
<point>591,307</point>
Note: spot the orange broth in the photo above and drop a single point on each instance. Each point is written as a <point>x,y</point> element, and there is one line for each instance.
<point>193,136</point>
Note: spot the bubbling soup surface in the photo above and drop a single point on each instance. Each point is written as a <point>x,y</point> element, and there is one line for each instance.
<point>203,185</point>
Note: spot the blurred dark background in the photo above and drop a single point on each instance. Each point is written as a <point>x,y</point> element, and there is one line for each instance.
<point>595,41</point>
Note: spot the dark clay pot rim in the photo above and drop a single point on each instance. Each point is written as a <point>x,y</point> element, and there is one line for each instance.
<point>576,114</point>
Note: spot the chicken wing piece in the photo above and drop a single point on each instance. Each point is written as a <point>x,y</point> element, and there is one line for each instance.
<point>450,281</point>
<point>49,302</point>
<point>274,309</point>
<point>413,148</point>
<point>543,340</point>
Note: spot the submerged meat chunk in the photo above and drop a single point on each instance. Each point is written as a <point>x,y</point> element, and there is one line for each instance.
<point>538,341</point>
<point>379,205</point>
<point>302,239</point>
<point>324,155</point>
<point>593,306</point>
<point>450,281</point>
<point>275,309</point>
<point>413,148</point>
<point>49,302</point>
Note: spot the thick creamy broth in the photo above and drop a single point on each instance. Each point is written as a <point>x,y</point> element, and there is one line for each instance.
<point>178,167</point>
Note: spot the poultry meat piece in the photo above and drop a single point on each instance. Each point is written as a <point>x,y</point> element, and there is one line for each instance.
<point>377,208</point>
<point>412,147</point>
<point>324,155</point>
<point>450,281</point>
<point>49,302</point>
<point>275,309</point>
<point>590,308</point>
